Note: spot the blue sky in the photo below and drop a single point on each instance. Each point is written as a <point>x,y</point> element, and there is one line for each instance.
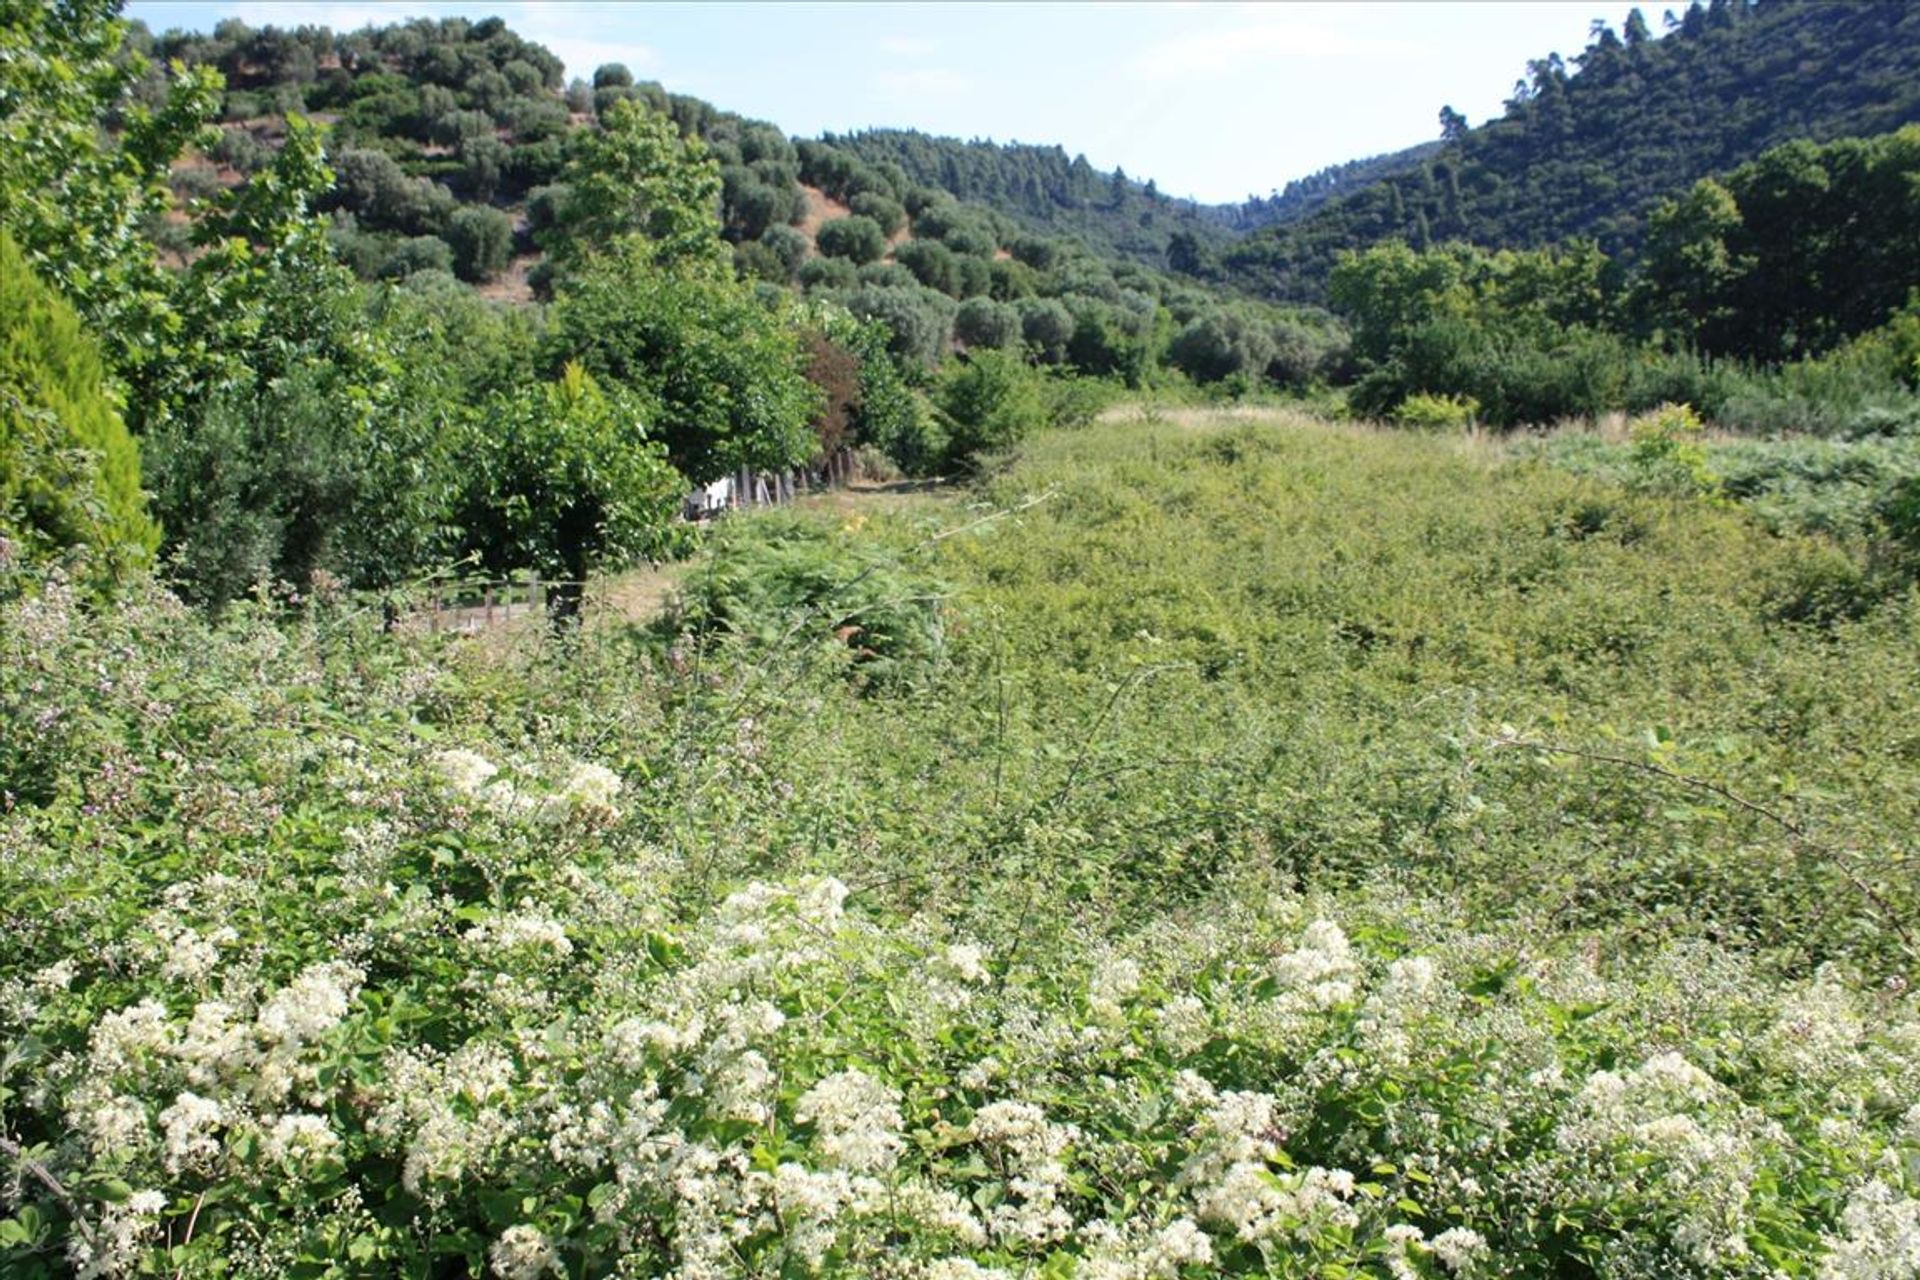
<point>1211,100</point>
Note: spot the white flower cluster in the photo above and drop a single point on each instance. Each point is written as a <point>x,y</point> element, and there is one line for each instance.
<point>448,1115</point>
<point>298,1137</point>
<point>589,789</point>
<point>524,1253</point>
<point>1114,1253</point>
<point>1321,973</point>
<point>1030,1149</point>
<point>528,930</point>
<point>190,1125</point>
<point>1235,1138</point>
<point>858,1120</point>
<point>184,954</point>
<point>1670,1129</point>
<point>113,1246</point>
<point>1115,981</point>
<point>1879,1236</point>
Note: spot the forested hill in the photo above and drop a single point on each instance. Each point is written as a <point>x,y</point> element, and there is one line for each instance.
<point>1302,196</point>
<point>1047,191</point>
<point>1588,145</point>
<point>1044,189</point>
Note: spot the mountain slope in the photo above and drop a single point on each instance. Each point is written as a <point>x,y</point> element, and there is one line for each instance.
<point>1587,150</point>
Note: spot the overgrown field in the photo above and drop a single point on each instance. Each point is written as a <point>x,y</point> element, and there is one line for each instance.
<point>1233,848</point>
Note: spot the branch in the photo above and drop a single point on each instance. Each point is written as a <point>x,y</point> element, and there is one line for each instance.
<point>45,1178</point>
<point>1796,830</point>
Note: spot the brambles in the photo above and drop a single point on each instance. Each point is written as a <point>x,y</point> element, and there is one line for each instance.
<point>1096,882</point>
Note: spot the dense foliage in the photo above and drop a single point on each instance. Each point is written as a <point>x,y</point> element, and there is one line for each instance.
<point>1586,148</point>
<point>69,472</point>
<point>1808,253</point>
<point>1135,887</point>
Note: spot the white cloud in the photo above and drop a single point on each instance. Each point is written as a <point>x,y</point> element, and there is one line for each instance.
<point>908,46</point>
<point>927,80</point>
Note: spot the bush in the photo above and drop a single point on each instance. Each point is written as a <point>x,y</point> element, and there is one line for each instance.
<point>982,322</point>
<point>1436,413</point>
<point>887,275</point>
<point>69,471</point>
<point>828,273</point>
<point>1047,326</point>
<point>782,580</point>
<point>932,264</point>
<point>991,402</point>
<point>417,253</point>
<point>885,211</point>
<point>857,239</point>
<point>1668,457</point>
<point>1221,343</point>
<point>919,321</point>
<point>786,244</point>
<point>482,241</point>
<point>271,482</point>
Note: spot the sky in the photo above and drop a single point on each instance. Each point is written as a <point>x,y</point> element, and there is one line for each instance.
<point>1214,101</point>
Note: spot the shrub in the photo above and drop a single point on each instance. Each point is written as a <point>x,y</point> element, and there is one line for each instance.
<point>69,471</point>
<point>856,239</point>
<point>1436,413</point>
<point>982,322</point>
<point>482,241</point>
<point>784,580</point>
<point>417,253</point>
<point>885,211</point>
<point>828,273</point>
<point>919,321</point>
<point>1047,326</point>
<point>989,403</point>
<point>786,244</point>
<point>932,264</point>
<point>1667,455</point>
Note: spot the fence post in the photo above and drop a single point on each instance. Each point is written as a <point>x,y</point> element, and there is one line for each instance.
<point>534,597</point>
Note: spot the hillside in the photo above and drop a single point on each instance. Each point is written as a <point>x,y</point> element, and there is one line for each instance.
<point>1045,191</point>
<point>1585,147</point>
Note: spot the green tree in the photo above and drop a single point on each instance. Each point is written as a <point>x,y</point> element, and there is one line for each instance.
<point>75,192</point>
<point>482,241</point>
<point>69,471</point>
<point>991,402</point>
<point>637,176</point>
<point>727,375</point>
<point>565,479</point>
<point>1689,271</point>
<point>854,238</point>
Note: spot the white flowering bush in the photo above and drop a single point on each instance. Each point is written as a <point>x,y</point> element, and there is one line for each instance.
<point>331,952</point>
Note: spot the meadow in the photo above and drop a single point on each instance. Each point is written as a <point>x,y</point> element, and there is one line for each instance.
<point>1207,844</point>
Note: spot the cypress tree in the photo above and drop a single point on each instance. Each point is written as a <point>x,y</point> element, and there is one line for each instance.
<point>69,470</point>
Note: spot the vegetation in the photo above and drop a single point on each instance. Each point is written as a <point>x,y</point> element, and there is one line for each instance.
<point>1187,842</point>
<point>1411,881</point>
<point>69,472</point>
<point>1587,146</point>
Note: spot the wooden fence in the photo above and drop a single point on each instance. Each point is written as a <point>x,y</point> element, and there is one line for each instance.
<point>472,606</point>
